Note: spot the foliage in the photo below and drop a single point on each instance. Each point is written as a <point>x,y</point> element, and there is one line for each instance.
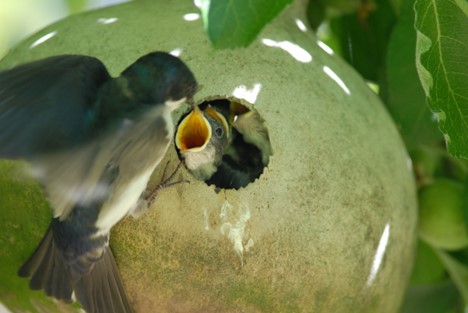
<point>415,51</point>
<point>236,23</point>
<point>441,46</point>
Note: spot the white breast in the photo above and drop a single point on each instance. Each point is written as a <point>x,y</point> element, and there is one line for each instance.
<point>137,161</point>
<point>119,206</point>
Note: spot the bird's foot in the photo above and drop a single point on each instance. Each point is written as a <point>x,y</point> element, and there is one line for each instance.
<point>148,197</point>
<point>165,183</point>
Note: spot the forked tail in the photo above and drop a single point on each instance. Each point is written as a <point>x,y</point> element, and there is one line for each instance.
<point>99,291</point>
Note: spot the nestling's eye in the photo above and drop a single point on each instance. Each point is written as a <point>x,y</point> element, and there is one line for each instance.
<point>219,132</point>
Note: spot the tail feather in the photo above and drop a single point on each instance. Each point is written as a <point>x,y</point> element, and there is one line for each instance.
<point>47,271</point>
<point>102,289</point>
<point>98,291</point>
<point>59,283</point>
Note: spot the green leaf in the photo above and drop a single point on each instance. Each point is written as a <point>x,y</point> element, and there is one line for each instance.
<point>438,298</point>
<point>236,23</point>
<point>315,13</point>
<point>458,272</point>
<point>364,36</point>
<point>404,95</point>
<point>427,268</point>
<point>441,53</point>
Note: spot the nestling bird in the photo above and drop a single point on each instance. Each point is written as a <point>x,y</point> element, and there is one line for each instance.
<point>92,142</point>
<point>251,126</point>
<point>233,155</point>
<point>201,137</point>
<point>248,152</point>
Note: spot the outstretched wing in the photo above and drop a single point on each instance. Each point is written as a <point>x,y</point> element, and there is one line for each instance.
<point>45,105</point>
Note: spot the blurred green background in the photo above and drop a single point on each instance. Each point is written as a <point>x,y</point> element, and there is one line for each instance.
<point>21,18</point>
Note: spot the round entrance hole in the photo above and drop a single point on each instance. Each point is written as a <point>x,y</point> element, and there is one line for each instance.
<point>224,143</point>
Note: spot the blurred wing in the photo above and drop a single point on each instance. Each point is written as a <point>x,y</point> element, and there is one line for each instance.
<point>45,105</point>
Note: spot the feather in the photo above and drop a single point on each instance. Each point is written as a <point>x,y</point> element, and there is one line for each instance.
<point>102,290</point>
<point>99,290</point>
<point>47,270</point>
<point>45,105</point>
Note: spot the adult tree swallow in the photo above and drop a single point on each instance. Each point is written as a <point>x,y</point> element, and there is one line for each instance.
<point>93,142</point>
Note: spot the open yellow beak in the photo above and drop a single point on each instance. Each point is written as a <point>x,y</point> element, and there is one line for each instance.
<point>194,132</point>
<point>236,109</point>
